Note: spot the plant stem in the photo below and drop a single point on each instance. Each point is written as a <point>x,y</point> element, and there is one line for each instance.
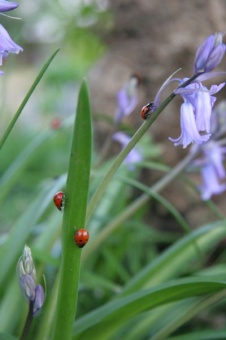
<point>140,201</point>
<point>134,140</point>
<point>28,322</point>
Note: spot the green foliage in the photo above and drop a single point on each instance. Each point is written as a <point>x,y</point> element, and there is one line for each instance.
<point>137,277</point>
<point>127,287</point>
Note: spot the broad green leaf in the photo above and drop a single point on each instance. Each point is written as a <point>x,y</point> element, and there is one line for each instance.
<point>76,193</point>
<point>106,320</point>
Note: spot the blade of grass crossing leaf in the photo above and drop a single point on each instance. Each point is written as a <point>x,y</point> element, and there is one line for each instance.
<point>77,188</point>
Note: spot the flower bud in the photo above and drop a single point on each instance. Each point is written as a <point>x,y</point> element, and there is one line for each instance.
<point>27,286</point>
<point>127,99</point>
<point>210,53</point>
<point>7,5</point>
<point>26,264</point>
<point>39,299</point>
<point>27,276</point>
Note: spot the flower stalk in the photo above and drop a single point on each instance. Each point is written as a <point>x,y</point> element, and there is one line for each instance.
<point>28,322</point>
<point>123,154</point>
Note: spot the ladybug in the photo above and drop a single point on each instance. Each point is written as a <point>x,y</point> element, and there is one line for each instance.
<point>55,123</point>
<point>81,237</point>
<point>145,111</point>
<point>58,200</point>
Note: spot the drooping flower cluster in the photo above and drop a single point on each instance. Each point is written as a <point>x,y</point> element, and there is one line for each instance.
<point>195,113</point>
<point>27,276</point>
<point>7,45</point>
<point>198,100</point>
<point>213,154</point>
<point>212,171</point>
<point>198,123</point>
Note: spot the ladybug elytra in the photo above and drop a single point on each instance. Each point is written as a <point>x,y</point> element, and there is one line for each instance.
<point>58,200</point>
<point>145,111</point>
<point>81,237</point>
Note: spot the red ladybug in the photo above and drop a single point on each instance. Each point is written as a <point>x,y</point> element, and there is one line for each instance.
<point>58,200</point>
<point>145,111</point>
<point>81,237</point>
<point>55,123</point>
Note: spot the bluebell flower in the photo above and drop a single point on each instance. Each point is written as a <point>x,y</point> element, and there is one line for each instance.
<point>212,169</point>
<point>27,286</point>
<point>211,182</point>
<point>189,131</point>
<point>39,299</point>
<point>7,45</point>
<point>7,5</point>
<point>209,54</point>
<point>27,276</point>
<point>214,154</point>
<point>127,99</point>
<point>134,155</point>
<point>195,112</point>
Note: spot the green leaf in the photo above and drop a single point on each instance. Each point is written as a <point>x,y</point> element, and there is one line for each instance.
<point>15,169</point>
<point>165,203</point>
<point>11,250</point>
<point>174,260</point>
<point>182,312</point>
<point>27,97</point>
<point>7,337</point>
<point>106,320</point>
<point>77,189</point>
<point>205,335</point>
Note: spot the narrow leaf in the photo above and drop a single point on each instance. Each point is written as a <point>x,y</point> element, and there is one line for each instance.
<point>106,320</point>
<point>27,97</point>
<point>74,216</point>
